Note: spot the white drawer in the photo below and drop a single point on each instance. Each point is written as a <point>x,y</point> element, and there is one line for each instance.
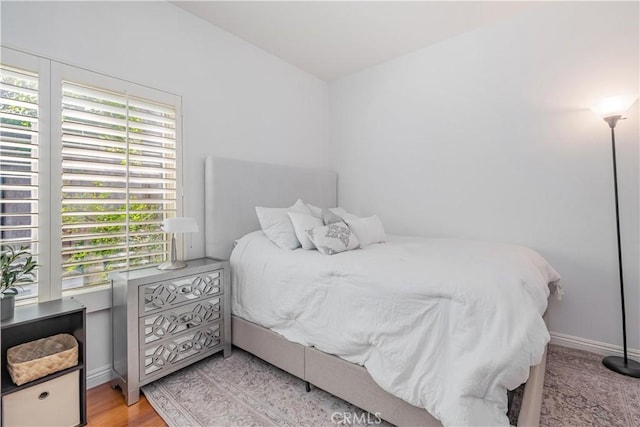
<point>174,321</point>
<point>169,293</point>
<point>52,403</point>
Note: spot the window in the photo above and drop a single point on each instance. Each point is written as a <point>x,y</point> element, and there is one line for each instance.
<point>89,167</point>
<point>19,162</point>
<point>118,182</point>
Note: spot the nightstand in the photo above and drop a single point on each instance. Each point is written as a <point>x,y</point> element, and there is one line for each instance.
<point>164,320</point>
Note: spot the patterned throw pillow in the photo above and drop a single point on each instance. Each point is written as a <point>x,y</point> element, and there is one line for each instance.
<point>333,238</point>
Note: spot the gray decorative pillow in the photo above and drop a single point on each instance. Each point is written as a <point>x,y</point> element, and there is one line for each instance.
<point>333,238</point>
<point>329,217</point>
<point>315,211</point>
<point>344,215</point>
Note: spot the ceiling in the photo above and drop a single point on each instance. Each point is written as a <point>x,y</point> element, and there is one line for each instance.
<point>331,39</point>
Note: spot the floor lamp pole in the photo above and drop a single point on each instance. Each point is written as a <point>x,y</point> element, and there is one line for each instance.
<point>622,365</point>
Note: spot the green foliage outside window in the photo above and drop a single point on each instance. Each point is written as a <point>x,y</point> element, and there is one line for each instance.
<point>106,249</point>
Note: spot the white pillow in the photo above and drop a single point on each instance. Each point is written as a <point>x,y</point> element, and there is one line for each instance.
<point>368,230</point>
<point>301,224</point>
<point>343,213</point>
<point>333,238</point>
<point>315,211</point>
<point>277,226</point>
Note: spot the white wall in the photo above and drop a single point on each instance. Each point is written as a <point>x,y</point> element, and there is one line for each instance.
<point>238,101</point>
<point>480,136</point>
<point>485,136</point>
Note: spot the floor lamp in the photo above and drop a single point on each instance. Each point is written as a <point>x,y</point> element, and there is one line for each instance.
<point>611,110</point>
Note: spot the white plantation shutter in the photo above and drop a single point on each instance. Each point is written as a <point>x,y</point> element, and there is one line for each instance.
<point>119,181</point>
<point>19,163</point>
<point>89,168</point>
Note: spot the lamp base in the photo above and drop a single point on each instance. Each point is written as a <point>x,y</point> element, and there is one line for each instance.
<point>172,265</point>
<point>616,364</point>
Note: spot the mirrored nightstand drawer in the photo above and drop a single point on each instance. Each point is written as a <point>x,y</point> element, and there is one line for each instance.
<point>162,295</point>
<point>169,355</point>
<point>174,321</point>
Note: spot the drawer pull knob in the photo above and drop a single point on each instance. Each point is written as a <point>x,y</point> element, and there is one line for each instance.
<point>43,395</point>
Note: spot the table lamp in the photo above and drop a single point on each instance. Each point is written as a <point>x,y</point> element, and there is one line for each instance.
<point>173,226</point>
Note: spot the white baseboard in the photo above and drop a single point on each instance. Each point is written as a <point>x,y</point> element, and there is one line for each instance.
<point>597,347</point>
<point>98,376</point>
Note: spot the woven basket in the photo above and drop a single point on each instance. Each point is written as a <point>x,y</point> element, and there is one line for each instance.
<point>36,359</point>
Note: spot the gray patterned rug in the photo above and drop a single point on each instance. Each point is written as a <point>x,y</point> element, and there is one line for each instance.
<point>245,391</point>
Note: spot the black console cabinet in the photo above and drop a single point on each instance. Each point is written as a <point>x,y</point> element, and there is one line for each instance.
<point>35,321</point>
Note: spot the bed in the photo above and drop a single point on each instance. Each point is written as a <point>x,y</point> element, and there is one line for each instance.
<point>233,189</point>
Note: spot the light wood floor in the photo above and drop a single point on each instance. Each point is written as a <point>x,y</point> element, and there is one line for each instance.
<point>106,407</point>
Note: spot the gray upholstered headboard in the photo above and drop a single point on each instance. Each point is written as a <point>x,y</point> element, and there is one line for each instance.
<point>233,188</point>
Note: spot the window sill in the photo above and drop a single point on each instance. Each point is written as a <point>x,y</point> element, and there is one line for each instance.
<point>96,298</point>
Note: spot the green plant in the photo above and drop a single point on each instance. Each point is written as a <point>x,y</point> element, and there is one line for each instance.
<point>17,266</point>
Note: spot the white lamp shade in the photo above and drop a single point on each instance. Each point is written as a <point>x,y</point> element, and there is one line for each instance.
<point>180,225</point>
<point>614,106</point>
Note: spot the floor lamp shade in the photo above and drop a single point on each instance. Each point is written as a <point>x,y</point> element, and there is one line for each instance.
<point>611,110</point>
<point>614,105</point>
<point>173,226</point>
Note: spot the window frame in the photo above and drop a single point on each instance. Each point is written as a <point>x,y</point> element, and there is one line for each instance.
<point>51,74</point>
<point>41,66</point>
<point>63,72</point>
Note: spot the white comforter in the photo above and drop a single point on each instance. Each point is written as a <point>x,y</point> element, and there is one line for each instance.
<point>447,325</point>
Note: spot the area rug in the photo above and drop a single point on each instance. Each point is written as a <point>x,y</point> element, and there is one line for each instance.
<point>580,391</point>
<point>243,390</point>
<point>246,391</point>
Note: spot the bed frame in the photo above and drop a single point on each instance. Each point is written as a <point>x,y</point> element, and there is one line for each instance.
<point>233,189</point>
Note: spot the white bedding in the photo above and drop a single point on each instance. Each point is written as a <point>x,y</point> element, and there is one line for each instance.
<point>447,325</point>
